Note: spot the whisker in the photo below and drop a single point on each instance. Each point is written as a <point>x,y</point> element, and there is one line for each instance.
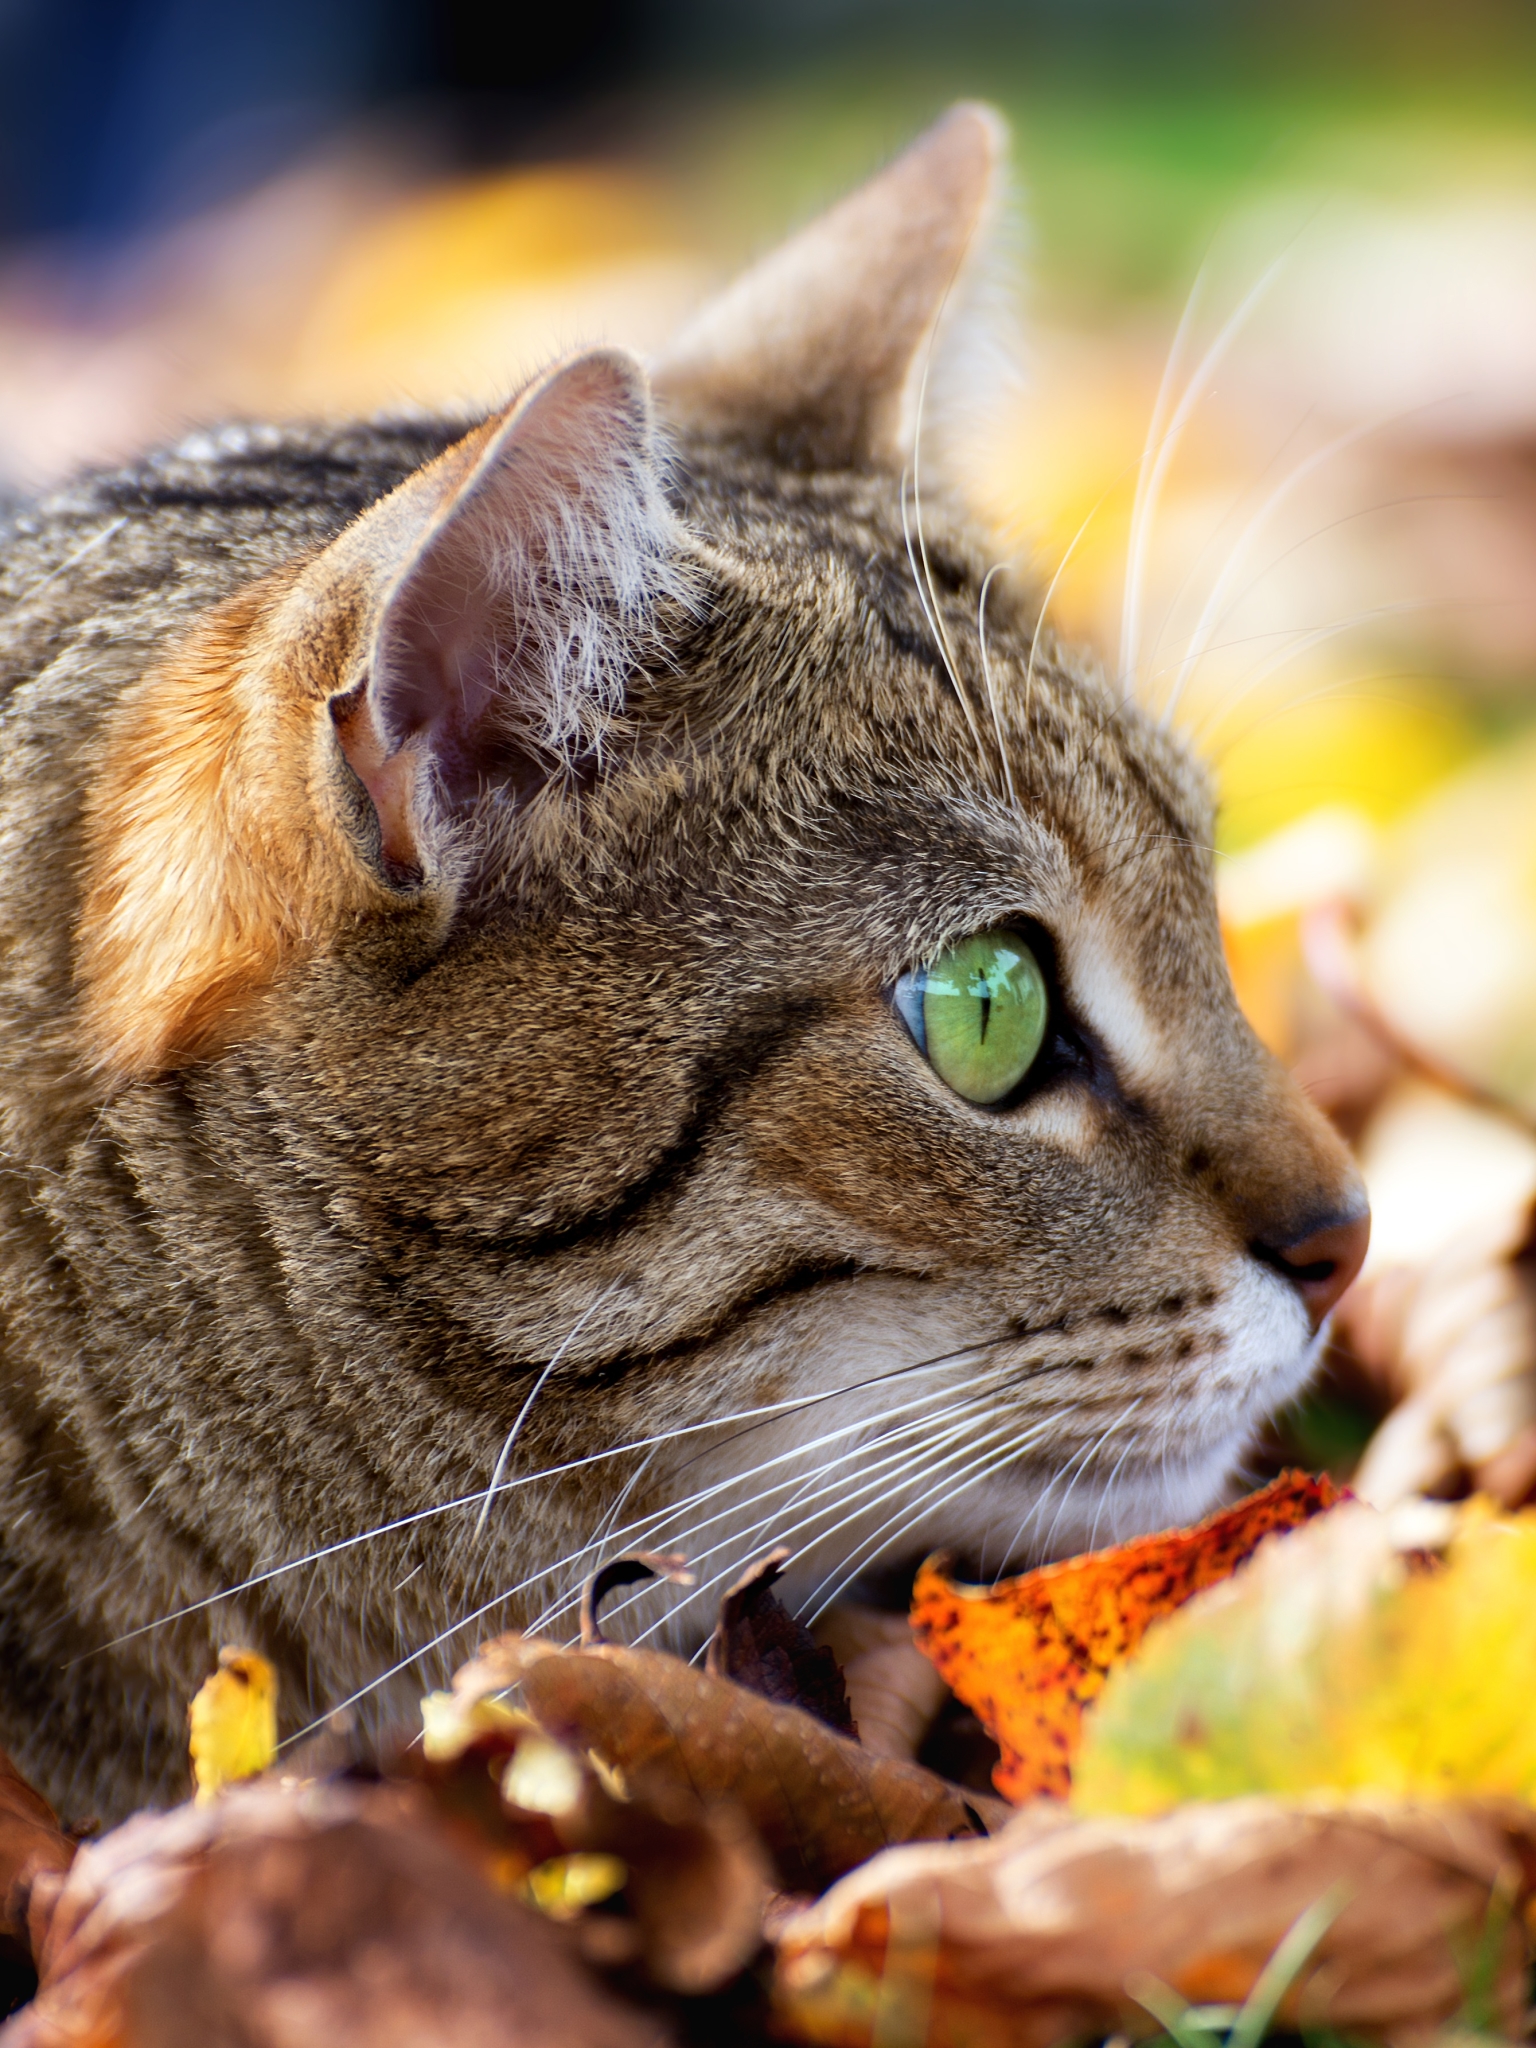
<point>757,1417</point>
<point>1074,1472</point>
<point>1284,656</point>
<point>940,637</point>
<point>1211,614</point>
<point>1146,508</point>
<point>957,1429</point>
<point>986,673</point>
<point>538,1387</point>
<point>416,1656</point>
<point>1050,592</point>
<point>669,1525</point>
<point>1130,600</point>
<point>804,1532</point>
<point>1093,1533</point>
<point>1006,1432</point>
<point>978,1477</point>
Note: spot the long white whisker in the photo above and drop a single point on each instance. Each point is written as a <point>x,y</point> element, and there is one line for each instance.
<point>940,638</point>
<point>1006,1432</point>
<point>986,674</point>
<point>671,1525</point>
<point>1284,656</point>
<point>767,1412</point>
<point>1080,1465</point>
<point>1093,1533</point>
<point>418,1655</point>
<point>538,1387</point>
<point>798,1533</point>
<point>1130,600</point>
<point>1194,391</point>
<point>977,1477</point>
<point>1211,614</point>
<point>1050,592</point>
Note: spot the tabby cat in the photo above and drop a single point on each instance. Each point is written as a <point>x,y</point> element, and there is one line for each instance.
<point>579,978</point>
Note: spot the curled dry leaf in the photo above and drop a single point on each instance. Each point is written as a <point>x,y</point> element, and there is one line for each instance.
<point>1031,1938</point>
<point>34,1850</point>
<point>1334,1663</point>
<point>679,1740</point>
<point>894,1692</point>
<point>633,1568</point>
<point>760,1644</point>
<point>688,1888</point>
<point>1029,1654</point>
<point>319,1917</point>
<point>1453,1342</point>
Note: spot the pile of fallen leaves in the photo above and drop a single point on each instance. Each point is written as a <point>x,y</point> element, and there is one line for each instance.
<point>1282,1763</point>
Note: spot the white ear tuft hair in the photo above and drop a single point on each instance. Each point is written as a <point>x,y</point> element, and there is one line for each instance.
<point>824,353</point>
<point>529,567</point>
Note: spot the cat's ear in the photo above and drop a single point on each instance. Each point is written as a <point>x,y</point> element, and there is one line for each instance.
<point>818,355</point>
<point>521,578</point>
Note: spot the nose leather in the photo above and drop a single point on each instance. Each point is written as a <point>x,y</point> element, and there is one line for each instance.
<point>1321,1264</point>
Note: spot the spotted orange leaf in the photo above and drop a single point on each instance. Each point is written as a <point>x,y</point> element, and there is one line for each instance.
<point>1028,1654</point>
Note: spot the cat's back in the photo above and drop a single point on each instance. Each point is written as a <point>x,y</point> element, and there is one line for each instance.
<point>96,581</point>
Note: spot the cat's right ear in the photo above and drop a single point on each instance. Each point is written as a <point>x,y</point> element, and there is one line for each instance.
<point>515,584</point>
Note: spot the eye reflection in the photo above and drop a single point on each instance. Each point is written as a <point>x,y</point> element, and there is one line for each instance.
<point>978,1014</point>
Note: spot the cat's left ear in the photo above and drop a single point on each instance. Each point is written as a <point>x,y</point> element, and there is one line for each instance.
<point>522,576</point>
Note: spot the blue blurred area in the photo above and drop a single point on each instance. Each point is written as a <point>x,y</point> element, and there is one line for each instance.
<point>122,115</point>
<point>119,116</point>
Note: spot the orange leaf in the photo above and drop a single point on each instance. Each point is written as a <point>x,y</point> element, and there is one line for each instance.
<point>1028,1654</point>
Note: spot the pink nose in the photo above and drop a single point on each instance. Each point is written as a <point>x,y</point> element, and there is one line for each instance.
<point>1321,1265</point>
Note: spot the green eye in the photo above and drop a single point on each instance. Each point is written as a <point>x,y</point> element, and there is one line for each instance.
<point>978,1014</point>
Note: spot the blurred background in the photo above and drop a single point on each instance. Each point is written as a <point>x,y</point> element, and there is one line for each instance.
<point>1294,238</point>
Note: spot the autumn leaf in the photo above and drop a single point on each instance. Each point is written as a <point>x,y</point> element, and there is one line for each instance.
<point>233,1722</point>
<point>1038,1936</point>
<point>679,1737</point>
<point>318,1917</point>
<point>1334,1663</point>
<point>761,1645</point>
<point>33,1847</point>
<point>687,1888</point>
<point>1029,1654</point>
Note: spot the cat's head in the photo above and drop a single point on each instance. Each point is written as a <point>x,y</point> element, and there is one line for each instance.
<point>721,974</point>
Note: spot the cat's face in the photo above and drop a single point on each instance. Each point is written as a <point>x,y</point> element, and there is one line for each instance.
<point>811,1075</point>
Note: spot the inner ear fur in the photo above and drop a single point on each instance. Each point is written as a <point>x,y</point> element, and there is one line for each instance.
<point>817,355</point>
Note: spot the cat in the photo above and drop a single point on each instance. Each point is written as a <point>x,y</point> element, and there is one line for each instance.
<point>589,976</point>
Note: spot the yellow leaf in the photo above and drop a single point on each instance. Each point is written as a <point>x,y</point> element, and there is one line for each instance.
<point>233,1722</point>
<point>1335,1664</point>
<point>563,1885</point>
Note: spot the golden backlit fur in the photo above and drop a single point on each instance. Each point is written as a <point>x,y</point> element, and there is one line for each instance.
<point>452,884</point>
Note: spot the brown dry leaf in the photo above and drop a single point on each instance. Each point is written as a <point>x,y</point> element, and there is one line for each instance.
<point>1031,1938</point>
<point>34,1849</point>
<point>679,1739</point>
<point>1453,1342</point>
<point>893,1690</point>
<point>319,1917</point>
<point>538,1820</point>
<point>761,1645</point>
<point>1030,1653</point>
